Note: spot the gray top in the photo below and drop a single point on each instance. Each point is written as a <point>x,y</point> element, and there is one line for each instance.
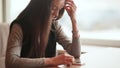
<point>13,59</point>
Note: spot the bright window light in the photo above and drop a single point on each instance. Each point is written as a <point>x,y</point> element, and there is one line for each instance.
<point>98,20</point>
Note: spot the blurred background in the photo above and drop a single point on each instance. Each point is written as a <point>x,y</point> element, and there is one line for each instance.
<point>98,20</point>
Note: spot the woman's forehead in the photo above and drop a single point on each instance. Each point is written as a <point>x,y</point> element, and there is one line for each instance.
<point>59,2</point>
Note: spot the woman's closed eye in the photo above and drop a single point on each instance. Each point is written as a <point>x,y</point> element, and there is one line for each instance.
<point>54,8</point>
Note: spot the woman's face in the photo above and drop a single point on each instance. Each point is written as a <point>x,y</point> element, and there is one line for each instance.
<point>57,5</point>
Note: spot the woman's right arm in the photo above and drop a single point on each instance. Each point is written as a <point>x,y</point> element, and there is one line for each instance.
<point>13,59</point>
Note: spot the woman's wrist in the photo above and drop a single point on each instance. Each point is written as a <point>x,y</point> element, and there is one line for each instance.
<point>75,30</point>
<point>48,62</point>
<point>73,19</point>
<point>75,34</point>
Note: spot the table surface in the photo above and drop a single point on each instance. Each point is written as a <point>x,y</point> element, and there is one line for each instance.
<point>98,57</point>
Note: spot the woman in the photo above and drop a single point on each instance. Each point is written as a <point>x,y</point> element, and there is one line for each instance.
<point>34,33</point>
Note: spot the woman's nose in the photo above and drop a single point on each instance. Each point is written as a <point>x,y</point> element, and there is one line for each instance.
<point>56,13</point>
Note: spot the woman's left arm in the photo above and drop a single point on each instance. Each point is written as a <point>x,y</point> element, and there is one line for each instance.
<point>70,7</point>
<point>71,46</point>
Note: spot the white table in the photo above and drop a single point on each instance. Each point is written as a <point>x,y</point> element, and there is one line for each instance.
<point>99,57</point>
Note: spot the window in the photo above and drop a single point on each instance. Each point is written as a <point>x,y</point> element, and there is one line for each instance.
<point>14,7</point>
<point>98,20</point>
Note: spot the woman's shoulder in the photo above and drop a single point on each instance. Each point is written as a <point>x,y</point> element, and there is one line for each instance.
<point>16,28</point>
<point>15,24</point>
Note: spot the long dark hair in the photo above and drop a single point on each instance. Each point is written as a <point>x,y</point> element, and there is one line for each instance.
<point>37,14</point>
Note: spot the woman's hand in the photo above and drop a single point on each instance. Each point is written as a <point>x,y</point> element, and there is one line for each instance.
<point>70,8</point>
<point>60,59</point>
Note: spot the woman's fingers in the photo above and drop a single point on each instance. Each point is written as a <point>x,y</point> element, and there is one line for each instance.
<point>70,4</point>
<point>70,8</point>
<point>63,59</point>
<point>69,59</point>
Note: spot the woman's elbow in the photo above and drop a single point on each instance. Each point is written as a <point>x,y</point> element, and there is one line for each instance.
<point>10,62</point>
